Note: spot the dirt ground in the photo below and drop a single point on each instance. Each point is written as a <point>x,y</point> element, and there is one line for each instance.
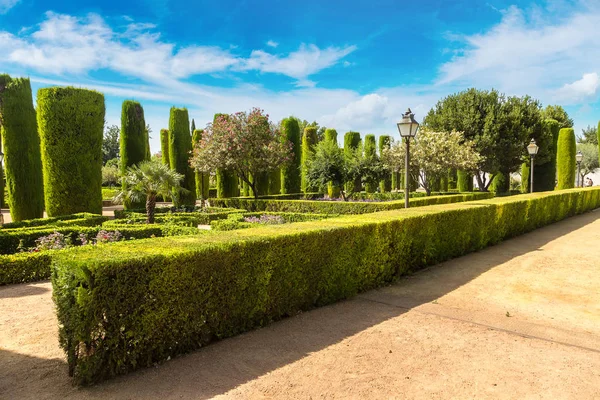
<point>520,320</point>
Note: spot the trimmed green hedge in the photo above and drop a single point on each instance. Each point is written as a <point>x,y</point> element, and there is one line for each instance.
<point>370,153</point>
<point>133,141</point>
<point>236,221</point>
<point>71,125</point>
<point>21,146</point>
<point>352,142</point>
<point>342,207</point>
<point>180,146</point>
<point>200,178</point>
<point>25,267</point>
<point>565,159</point>
<point>290,173</point>
<point>545,174</point>
<point>309,141</point>
<point>129,305</point>
<point>464,181</point>
<point>164,147</point>
<point>384,143</point>
<point>73,219</point>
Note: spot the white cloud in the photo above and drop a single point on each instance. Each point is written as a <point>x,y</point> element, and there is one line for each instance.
<point>272,43</point>
<point>529,52</point>
<point>584,88</point>
<point>6,5</point>
<point>64,44</point>
<point>307,60</point>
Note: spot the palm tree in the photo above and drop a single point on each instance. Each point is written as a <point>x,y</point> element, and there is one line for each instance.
<point>147,180</point>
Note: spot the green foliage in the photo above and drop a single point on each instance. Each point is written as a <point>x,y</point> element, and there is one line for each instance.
<point>80,219</point>
<point>70,124</point>
<point>464,181</point>
<point>589,164</point>
<point>565,159</point>
<point>227,184</point>
<point>333,191</point>
<point>370,153</point>
<point>290,173</point>
<point>261,184</point>
<point>559,114</point>
<point>164,147</point>
<point>452,179</point>
<point>201,178</point>
<point>147,180</point>
<point>385,142</point>
<point>275,181</point>
<point>309,141</point>
<point>342,207</point>
<point>180,147</point>
<point>110,176</point>
<point>501,183</point>
<point>236,221</point>
<point>21,146</point>
<point>111,143</point>
<point>154,299</point>
<point>525,177</point>
<point>589,135</point>
<point>545,172</point>
<point>24,267</point>
<point>598,130</point>
<point>352,142</point>
<point>134,140</point>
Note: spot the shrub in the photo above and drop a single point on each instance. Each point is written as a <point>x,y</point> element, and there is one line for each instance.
<point>309,140</point>
<point>71,123</point>
<point>501,183</point>
<point>525,177</point>
<point>464,181</point>
<point>21,146</point>
<point>180,146</point>
<point>342,207</point>
<point>351,143</point>
<point>200,178</point>
<point>385,142</point>
<point>290,173</point>
<point>83,219</point>
<point>545,174</point>
<point>370,153</point>
<point>24,267</point>
<point>129,305</point>
<point>565,159</point>
<point>164,147</point>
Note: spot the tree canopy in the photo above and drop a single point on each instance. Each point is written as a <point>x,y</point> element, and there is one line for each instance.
<point>559,114</point>
<point>110,143</point>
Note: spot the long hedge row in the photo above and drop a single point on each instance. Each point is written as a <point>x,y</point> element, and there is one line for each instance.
<point>129,305</point>
<point>342,207</point>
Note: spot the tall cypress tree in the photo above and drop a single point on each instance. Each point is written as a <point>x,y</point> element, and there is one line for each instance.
<point>565,159</point>
<point>385,142</point>
<point>201,178</point>
<point>309,140</point>
<point>21,146</point>
<point>133,146</point>
<point>333,191</point>
<point>290,173</point>
<point>180,146</point>
<point>464,181</point>
<point>544,175</point>
<point>164,147</point>
<point>370,152</point>
<point>351,143</point>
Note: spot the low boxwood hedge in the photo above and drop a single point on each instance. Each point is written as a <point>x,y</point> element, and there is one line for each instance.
<point>211,212</point>
<point>81,219</point>
<point>343,207</point>
<point>25,267</point>
<point>123,306</point>
<point>236,221</point>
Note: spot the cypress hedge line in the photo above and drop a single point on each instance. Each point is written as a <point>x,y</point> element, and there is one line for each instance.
<point>343,207</point>
<point>290,173</point>
<point>21,147</point>
<point>333,192</point>
<point>565,159</point>
<point>309,141</point>
<point>180,146</point>
<point>545,174</point>
<point>370,153</point>
<point>133,141</point>
<point>227,181</point>
<point>464,181</point>
<point>351,143</point>
<point>200,177</point>
<point>129,305</point>
<point>71,125</point>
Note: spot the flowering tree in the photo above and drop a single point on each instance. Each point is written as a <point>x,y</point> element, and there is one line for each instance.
<point>432,155</point>
<point>244,142</point>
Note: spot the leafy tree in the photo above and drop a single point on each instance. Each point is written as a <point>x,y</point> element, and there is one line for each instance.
<point>332,164</point>
<point>499,127</point>
<point>146,181</point>
<point>246,143</point>
<point>110,144</point>
<point>110,175</point>
<point>589,135</point>
<point>434,153</point>
<point>559,114</point>
<point>590,163</point>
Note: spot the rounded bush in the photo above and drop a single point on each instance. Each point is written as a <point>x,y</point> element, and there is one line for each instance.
<point>180,146</point>
<point>21,147</point>
<point>71,124</point>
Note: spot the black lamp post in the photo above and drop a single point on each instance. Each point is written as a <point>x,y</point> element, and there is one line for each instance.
<point>579,158</point>
<point>408,128</point>
<point>532,149</point>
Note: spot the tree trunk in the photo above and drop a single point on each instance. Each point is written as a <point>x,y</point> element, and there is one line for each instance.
<point>480,183</point>
<point>150,206</point>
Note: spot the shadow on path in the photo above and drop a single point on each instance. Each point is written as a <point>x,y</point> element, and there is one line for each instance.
<point>222,366</point>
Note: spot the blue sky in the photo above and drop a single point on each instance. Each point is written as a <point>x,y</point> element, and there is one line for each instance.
<point>347,64</point>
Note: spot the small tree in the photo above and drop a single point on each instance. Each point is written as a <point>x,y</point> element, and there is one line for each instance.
<point>590,163</point>
<point>434,153</point>
<point>147,180</point>
<point>110,144</point>
<point>246,143</point>
<point>331,164</point>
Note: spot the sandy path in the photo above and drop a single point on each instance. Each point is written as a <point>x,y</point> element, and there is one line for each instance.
<point>443,333</point>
